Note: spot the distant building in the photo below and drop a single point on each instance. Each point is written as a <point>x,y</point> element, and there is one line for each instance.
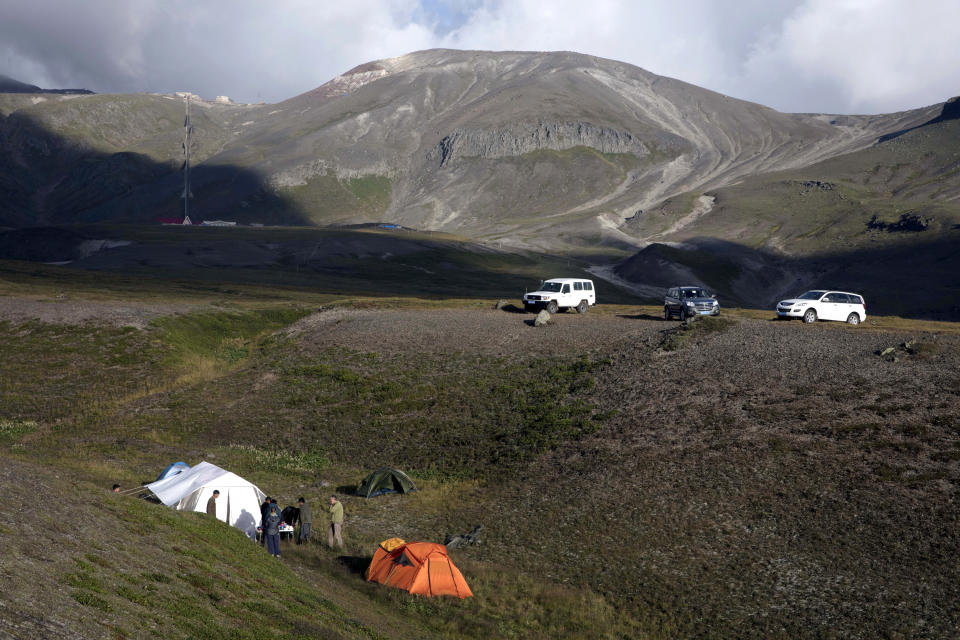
<point>224,100</point>
<point>218,223</point>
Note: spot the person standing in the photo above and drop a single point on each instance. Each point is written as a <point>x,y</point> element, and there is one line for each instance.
<point>263,514</point>
<point>212,503</point>
<point>271,530</point>
<point>336,523</point>
<point>305,517</point>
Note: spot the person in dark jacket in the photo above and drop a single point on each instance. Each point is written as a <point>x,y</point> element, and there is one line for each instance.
<point>212,503</point>
<point>271,530</point>
<point>263,514</point>
<point>305,517</point>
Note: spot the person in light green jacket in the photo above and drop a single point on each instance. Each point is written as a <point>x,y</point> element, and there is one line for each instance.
<point>336,523</point>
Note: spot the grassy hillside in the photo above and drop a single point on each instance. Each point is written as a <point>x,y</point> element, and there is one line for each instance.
<point>329,261</point>
<point>828,207</point>
<point>90,392</point>
<point>102,565</point>
<point>632,479</point>
<point>883,222</point>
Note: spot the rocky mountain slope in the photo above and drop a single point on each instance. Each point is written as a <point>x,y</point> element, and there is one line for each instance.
<point>494,145</point>
<point>883,221</point>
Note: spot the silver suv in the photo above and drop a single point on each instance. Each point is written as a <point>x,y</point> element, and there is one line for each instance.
<point>821,304</point>
<point>686,302</point>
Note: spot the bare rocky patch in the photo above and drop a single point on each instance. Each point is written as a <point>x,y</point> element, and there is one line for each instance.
<point>76,312</point>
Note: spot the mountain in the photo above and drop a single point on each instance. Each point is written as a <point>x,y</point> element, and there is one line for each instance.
<point>525,147</point>
<point>11,85</point>
<point>516,147</point>
<point>557,152</point>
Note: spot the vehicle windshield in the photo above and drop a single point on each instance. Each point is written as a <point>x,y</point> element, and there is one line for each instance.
<point>553,287</point>
<point>811,295</point>
<point>692,293</point>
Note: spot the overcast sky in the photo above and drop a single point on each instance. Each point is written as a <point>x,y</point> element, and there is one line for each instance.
<point>835,56</point>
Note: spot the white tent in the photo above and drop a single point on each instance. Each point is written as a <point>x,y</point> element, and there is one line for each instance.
<point>238,504</point>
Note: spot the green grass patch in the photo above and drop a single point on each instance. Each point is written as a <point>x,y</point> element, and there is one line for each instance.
<point>210,575</point>
<point>275,461</point>
<point>694,328</point>
<point>92,600</point>
<point>223,336</point>
<point>12,430</point>
<point>452,414</point>
<point>373,191</point>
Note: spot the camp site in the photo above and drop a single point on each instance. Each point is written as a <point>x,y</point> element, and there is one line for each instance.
<point>313,325</point>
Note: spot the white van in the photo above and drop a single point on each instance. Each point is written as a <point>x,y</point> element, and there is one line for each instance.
<point>562,293</point>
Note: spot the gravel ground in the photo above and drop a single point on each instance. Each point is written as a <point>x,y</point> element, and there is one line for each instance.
<point>138,315</point>
<point>486,332</point>
<point>776,478</point>
<point>824,372</point>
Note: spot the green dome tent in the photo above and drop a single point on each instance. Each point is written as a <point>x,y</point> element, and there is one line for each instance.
<point>385,480</point>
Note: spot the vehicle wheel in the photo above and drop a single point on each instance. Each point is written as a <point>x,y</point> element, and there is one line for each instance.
<point>810,316</point>
<point>683,314</point>
<point>582,307</point>
<point>552,307</point>
<point>853,319</point>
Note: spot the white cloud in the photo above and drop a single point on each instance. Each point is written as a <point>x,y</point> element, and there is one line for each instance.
<point>881,55</point>
<point>794,55</point>
<point>245,48</point>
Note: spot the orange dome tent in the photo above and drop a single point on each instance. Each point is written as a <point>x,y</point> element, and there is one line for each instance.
<point>423,568</point>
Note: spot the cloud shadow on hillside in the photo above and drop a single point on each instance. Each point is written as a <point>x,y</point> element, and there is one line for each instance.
<point>46,178</point>
<point>916,279</point>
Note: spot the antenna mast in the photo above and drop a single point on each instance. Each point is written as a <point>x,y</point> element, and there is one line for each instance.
<point>187,193</point>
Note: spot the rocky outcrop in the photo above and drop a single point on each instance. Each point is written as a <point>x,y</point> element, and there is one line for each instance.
<point>542,319</point>
<point>521,138</point>
<point>951,110</point>
<point>907,222</point>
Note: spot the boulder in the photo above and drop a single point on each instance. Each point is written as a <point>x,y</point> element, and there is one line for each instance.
<point>452,541</point>
<point>500,304</point>
<point>543,318</point>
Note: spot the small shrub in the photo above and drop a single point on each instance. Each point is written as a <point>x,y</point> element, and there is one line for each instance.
<point>924,350</point>
<point>680,336</point>
<point>98,560</point>
<point>133,595</point>
<point>162,578</point>
<point>946,422</point>
<point>92,600</point>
